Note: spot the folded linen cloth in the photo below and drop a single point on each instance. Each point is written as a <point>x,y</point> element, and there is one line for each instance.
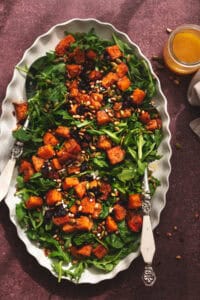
<point>194,99</point>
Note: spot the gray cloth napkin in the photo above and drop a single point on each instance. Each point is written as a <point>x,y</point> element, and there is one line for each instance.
<point>194,99</point>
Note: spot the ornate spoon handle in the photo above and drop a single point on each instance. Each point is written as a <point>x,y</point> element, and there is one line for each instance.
<point>147,238</point>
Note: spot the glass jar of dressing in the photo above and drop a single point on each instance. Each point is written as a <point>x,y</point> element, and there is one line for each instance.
<point>181,53</point>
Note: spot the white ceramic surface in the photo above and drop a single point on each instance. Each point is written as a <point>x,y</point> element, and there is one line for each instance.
<point>16,91</point>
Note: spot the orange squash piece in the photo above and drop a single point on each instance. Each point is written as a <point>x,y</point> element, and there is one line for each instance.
<point>38,163</point>
<point>134,201</point>
<point>63,131</point>
<point>73,170</point>
<point>123,114</point>
<point>73,209</point>
<point>64,44</point>
<point>70,182</point>
<point>50,139</point>
<point>63,155</point>
<point>61,220</point>
<point>97,210</point>
<point>123,83</point>
<point>68,228</point>
<point>33,202</point>
<point>154,124</point>
<point>46,151</point>
<point>119,212</point>
<point>84,223</point>
<point>73,70</point>
<point>94,75</point>
<point>134,222</point>
<point>53,196</point>
<point>111,225</point>
<point>114,51</point>
<point>21,110</point>
<point>115,155</point>
<point>88,205</point>
<point>86,251</point>
<point>72,146</point>
<point>91,54</point>
<point>102,117</point>
<point>26,169</point>
<point>121,69</point>
<point>100,251</point>
<point>105,189</point>
<point>56,164</point>
<point>109,79</point>
<point>138,96</point>
<point>79,56</point>
<point>144,117</point>
<point>104,143</point>
<point>80,189</point>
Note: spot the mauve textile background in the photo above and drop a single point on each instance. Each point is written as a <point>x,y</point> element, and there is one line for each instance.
<point>145,22</point>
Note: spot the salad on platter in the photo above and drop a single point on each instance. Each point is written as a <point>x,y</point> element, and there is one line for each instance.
<point>93,129</point>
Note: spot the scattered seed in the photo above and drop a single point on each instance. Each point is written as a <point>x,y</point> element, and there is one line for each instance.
<point>178,146</point>
<point>168,234</point>
<point>176,81</point>
<point>169,30</point>
<point>178,257</point>
<point>175,228</point>
<point>196,215</point>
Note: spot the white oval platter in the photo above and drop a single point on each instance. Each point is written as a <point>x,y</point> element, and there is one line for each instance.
<point>16,91</point>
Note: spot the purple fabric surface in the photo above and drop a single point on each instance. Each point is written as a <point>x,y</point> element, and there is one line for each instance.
<point>145,22</point>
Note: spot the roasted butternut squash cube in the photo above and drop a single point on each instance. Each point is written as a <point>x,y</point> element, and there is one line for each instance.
<point>138,96</point>
<point>56,164</point>
<point>33,202</point>
<point>91,54</point>
<point>114,51</point>
<point>68,228</point>
<point>123,114</point>
<point>85,250</point>
<point>21,110</point>
<point>24,165</point>
<point>105,189</point>
<point>73,170</point>
<point>87,205</point>
<point>84,223</point>
<point>123,83</point>
<point>46,151</point>
<point>38,163</point>
<point>53,196</point>
<point>73,70</point>
<point>63,131</point>
<point>134,201</point>
<point>134,222</point>
<point>109,79</point>
<point>94,75</point>
<point>61,220</point>
<point>74,209</point>
<point>104,143</point>
<point>117,106</point>
<point>154,124</point>
<point>64,44</point>
<point>97,210</point>
<point>144,117</point>
<point>111,225</point>
<point>102,117</point>
<point>115,155</point>
<point>63,155</point>
<point>80,189</point>
<point>79,56</point>
<point>121,69</point>
<point>119,212</point>
<point>50,139</point>
<point>72,146</point>
<point>70,182</point>
<point>100,251</point>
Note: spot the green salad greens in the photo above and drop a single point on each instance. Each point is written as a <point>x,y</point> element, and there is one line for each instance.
<point>92,132</point>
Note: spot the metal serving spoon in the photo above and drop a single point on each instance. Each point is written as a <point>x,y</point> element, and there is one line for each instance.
<point>147,239</point>
<point>17,150</point>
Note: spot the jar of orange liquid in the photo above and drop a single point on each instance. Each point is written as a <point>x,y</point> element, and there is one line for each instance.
<point>181,53</point>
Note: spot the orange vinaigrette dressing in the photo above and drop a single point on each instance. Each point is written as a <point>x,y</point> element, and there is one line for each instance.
<point>182,51</point>
<point>186,46</point>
